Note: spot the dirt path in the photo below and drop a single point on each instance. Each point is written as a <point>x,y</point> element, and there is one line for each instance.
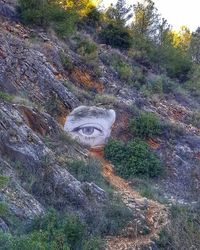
<point>156,215</point>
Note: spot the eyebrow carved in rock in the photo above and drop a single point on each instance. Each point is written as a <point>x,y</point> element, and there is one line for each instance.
<point>89,112</point>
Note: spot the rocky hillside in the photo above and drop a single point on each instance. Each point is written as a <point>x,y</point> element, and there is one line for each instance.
<point>42,78</point>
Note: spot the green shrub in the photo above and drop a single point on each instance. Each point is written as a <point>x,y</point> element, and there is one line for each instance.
<point>66,62</point>
<point>124,70</point>
<point>158,85</point>
<point>172,130</point>
<point>4,180</point>
<point>87,48</point>
<point>183,230</point>
<point>145,125</point>
<point>116,216</point>
<point>145,189</point>
<point>53,105</point>
<point>6,97</point>
<point>89,171</point>
<point>115,151</point>
<point>51,231</point>
<point>113,214</point>
<point>93,18</point>
<point>194,119</point>
<point>116,36</point>
<point>45,13</point>
<point>133,159</point>
<point>118,63</point>
<point>3,209</point>
<point>193,84</point>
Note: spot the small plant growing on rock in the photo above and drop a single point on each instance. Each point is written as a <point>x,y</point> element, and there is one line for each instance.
<point>6,97</point>
<point>105,99</point>
<point>66,62</point>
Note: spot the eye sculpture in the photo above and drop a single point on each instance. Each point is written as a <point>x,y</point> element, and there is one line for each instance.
<point>89,130</point>
<point>90,125</point>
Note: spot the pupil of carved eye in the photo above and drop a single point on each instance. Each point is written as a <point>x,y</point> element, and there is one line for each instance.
<point>88,130</point>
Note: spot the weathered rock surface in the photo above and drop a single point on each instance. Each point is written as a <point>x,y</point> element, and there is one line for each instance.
<point>26,70</point>
<point>33,168</point>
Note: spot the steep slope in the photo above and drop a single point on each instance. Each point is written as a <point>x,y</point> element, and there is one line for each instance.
<point>155,214</point>
<point>42,78</point>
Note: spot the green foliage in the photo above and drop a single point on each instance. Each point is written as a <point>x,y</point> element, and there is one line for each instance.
<point>94,18</point>
<point>87,49</point>
<point>145,125</point>
<point>105,99</point>
<point>111,219</point>
<point>183,230</point>
<point>53,105</point>
<point>6,97</point>
<point>92,244</point>
<point>158,44</point>
<point>89,171</point>
<point>116,36</point>
<point>194,119</point>
<point>66,62</point>
<point>193,84</point>
<point>3,209</point>
<point>145,189</point>
<point>124,70</point>
<point>116,216</point>
<point>195,46</point>
<point>119,14</point>
<point>118,63</point>
<point>51,231</point>
<point>145,18</point>
<point>113,214</point>
<point>45,13</point>
<point>177,64</point>
<point>133,159</point>
<point>160,85</point>
<point>4,181</point>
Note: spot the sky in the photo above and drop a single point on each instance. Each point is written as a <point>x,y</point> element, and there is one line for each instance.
<point>177,12</point>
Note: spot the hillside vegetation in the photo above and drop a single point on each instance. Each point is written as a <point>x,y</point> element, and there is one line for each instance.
<point>54,193</point>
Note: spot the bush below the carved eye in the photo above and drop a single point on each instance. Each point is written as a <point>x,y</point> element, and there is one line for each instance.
<point>133,159</point>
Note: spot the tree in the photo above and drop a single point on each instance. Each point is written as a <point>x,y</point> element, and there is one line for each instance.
<point>116,36</point>
<point>83,7</point>
<point>195,46</point>
<point>181,39</point>
<point>163,33</point>
<point>146,18</point>
<point>119,14</point>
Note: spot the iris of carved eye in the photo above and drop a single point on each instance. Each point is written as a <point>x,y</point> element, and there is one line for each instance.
<point>88,130</point>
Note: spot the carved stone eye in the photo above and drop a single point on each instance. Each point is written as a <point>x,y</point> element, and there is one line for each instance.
<point>90,125</point>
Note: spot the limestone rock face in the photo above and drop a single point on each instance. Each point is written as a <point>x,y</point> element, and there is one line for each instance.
<point>25,70</point>
<point>35,178</point>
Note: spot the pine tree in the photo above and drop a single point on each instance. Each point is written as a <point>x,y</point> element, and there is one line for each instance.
<point>195,46</point>
<point>146,18</point>
<point>119,13</point>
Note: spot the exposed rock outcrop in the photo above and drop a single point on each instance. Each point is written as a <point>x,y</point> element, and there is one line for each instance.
<point>35,167</point>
